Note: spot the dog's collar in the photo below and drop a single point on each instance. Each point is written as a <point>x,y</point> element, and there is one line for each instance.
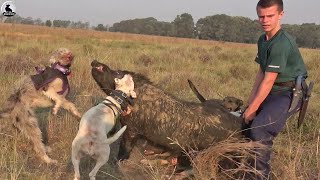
<point>64,69</point>
<point>109,103</point>
<point>122,99</point>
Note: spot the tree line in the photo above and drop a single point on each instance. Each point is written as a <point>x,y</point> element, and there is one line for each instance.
<point>55,23</point>
<point>217,27</point>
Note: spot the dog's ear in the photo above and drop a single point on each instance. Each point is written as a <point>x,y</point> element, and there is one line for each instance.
<point>53,57</point>
<point>133,94</point>
<point>117,81</point>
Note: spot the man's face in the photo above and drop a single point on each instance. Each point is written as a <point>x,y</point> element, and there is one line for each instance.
<point>269,18</point>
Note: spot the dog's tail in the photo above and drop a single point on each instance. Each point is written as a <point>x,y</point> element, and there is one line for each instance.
<point>196,92</point>
<point>10,104</point>
<point>116,135</point>
<point>25,120</point>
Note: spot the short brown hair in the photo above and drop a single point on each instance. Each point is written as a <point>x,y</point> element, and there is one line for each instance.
<point>269,3</point>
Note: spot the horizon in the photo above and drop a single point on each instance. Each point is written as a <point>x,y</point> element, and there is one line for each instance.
<point>120,10</point>
<point>195,21</point>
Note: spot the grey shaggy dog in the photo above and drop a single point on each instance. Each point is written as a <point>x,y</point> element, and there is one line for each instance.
<point>162,118</point>
<point>25,98</point>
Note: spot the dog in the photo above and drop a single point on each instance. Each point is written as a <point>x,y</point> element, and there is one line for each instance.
<point>98,121</point>
<point>45,89</point>
<point>230,103</point>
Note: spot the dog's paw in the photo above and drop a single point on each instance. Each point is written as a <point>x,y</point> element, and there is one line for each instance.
<point>92,176</point>
<point>48,149</point>
<point>154,162</point>
<point>54,111</point>
<point>49,160</point>
<point>77,114</point>
<point>133,94</point>
<point>53,161</point>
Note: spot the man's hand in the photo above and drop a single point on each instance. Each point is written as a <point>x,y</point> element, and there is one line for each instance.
<point>249,114</point>
<point>259,95</point>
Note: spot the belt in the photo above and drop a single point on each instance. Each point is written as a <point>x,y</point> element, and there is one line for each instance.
<point>290,84</point>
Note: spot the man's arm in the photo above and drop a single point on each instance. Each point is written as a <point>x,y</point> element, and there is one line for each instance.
<point>259,78</point>
<point>263,90</point>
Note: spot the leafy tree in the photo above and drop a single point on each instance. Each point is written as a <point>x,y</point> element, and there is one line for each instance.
<point>143,26</point>
<point>309,35</point>
<point>306,35</point>
<point>14,19</point>
<point>61,23</point>
<point>184,26</point>
<point>100,27</point>
<point>38,21</point>
<point>27,20</point>
<point>227,28</point>
<point>48,23</point>
<point>79,25</point>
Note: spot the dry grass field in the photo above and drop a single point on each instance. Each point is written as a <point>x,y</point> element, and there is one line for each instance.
<point>218,69</point>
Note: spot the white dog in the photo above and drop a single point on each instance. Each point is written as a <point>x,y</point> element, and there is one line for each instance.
<point>97,122</point>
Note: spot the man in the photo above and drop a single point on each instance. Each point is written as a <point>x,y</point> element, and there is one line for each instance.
<point>280,64</point>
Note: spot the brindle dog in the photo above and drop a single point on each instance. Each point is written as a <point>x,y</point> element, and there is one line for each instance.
<point>162,118</point>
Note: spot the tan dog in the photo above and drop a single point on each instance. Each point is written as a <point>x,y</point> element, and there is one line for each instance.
<point>97,122</point>
<point>229,102</point>
<point>27,96</point>
<point>232,103</point>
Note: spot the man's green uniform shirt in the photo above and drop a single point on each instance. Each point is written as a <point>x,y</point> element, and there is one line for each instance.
<point>280,54</point>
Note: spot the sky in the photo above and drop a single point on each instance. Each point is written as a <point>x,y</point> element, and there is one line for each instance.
<point>107,12</point>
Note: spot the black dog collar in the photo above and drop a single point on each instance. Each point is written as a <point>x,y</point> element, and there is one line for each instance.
<point>122,99</point>
<point>109,104</point>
